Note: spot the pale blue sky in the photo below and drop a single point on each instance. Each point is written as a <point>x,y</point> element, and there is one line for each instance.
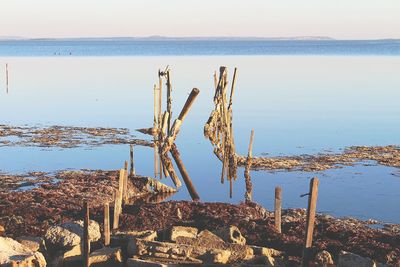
<point>341,19</point>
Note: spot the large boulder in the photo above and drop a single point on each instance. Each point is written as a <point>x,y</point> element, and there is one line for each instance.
<point>13,252</point>
<point>69,234</point>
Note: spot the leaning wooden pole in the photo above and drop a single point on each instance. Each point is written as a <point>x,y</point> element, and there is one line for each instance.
<point>86,242</point>
<point>312,206</point>
<point>278,209</point>
<point>185,176</point>
<point>178,122</point>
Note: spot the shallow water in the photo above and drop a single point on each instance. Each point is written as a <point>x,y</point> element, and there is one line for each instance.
<point>295,104</point>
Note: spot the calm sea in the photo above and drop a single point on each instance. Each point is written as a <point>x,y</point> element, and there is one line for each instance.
<point>299,97</point>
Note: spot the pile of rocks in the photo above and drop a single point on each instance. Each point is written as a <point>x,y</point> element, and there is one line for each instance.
<point>62,247</point>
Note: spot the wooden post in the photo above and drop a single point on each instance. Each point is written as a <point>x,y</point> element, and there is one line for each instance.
<point>116,210</point>
<point>106,224</point>
<point>125,183</point>
<point>312,205</point>
<point>7,77</point>
<point>169,100</point>
<point>86,242</point>
<point>132,170</point>
<point>232,89</point>
<point>249,186</point>
<point>185,176</point>
<point>278,209</point>
<point>118,199</point>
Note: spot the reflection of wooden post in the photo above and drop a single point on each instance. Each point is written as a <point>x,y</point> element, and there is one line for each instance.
<point>312,205</point>
<point>86,242</point>
<point>185,176</point>
<point>106,224</point>
<point>278,209</point>
<point>132,170</point>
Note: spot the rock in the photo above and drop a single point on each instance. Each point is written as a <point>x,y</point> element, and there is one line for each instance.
<point>69,234</point>
<point>2,230</point>
<point>323,258</point>
<point>144,263</point>
<point>263,251</point>
<point>182,231</point>
<point>13,252</point>
<point>139,247</point>
<point>231,234</point>
<point>106,257</point>
<point>217,256</point>
<point>266,261</point>
<point>348,259</point>
<point>122,239</point>
<point>32,242</point>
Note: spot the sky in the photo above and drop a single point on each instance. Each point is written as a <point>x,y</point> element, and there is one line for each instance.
<point>340,19</point>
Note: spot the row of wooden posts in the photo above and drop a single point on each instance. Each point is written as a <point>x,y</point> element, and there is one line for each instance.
<point>165,136</point>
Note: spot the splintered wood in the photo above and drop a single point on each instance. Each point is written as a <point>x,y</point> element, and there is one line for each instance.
<point>165,134</point>
<point>219,130</point>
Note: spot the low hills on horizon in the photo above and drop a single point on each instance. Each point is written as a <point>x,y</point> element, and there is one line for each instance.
<point>195,38</point>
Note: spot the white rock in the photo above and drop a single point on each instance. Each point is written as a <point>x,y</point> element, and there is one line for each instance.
<point>348,259</point>
<point>12,251</point>
<point>69,234</point>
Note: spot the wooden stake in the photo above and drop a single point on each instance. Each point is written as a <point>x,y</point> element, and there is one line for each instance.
<point>169,100</point>
<point>7,77</point>
<point>86,242</point>
<point>278,209</point>
<point>116,210</point>
<point>106,224</point>
<point>312,205</point>
<point>125,183</point>
<point>185,176</point>
<point>132,170</point>
<point>232,89</point>
<point>249,186</point>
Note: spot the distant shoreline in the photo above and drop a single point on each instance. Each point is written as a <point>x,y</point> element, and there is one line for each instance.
<point>165,38</point>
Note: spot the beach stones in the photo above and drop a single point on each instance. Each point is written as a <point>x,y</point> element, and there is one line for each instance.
<point>69,234</point>
<point>13,252</point>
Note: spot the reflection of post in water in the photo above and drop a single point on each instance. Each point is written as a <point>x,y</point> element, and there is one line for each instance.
<point>185,176</point>
<point>7,78</point>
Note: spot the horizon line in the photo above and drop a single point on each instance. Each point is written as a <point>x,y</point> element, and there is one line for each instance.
<point>161,37</point>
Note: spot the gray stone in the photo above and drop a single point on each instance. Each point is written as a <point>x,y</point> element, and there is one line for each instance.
<point>69,234</point>
<point>348,259</point>
<point>34,243</point>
